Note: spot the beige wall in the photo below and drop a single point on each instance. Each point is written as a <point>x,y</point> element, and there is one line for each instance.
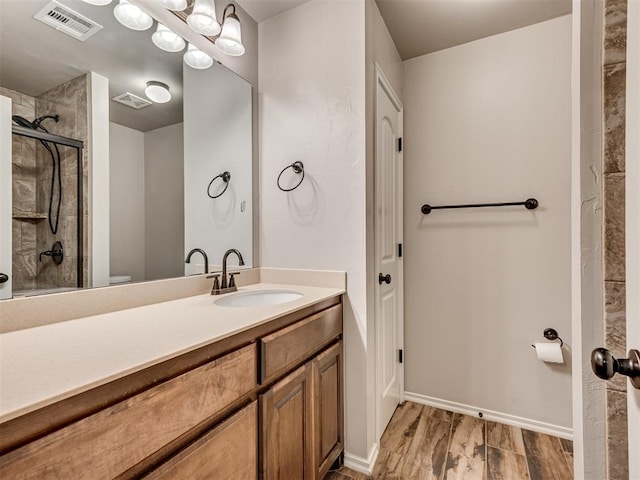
<point>164,202</point>
<point>126,202</point>
<point>312,94</point>
<point>490,121</point>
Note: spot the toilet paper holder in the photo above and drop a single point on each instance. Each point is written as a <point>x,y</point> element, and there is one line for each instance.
<point>551,334</point>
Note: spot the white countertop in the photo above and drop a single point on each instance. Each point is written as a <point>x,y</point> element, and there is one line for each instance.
<point>42,365</point>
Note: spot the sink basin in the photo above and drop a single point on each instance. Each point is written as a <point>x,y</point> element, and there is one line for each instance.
<point>261,298</point>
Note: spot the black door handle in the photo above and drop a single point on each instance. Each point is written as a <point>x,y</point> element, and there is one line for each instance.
<point>4,278</point>
<point>384,279</point>
<point>605,365</point>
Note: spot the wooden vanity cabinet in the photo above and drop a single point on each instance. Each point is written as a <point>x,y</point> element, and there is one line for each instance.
<point>228,452</point>
<point>264,403</point>
<point>302,414</point>
<point>327,409</point>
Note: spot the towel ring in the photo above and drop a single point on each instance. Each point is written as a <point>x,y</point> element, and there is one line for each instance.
<point>297,167</point>
<point>225,176</point>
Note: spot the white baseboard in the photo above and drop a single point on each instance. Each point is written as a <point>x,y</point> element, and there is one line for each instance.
<point>361,464</point>
<point>536,426</point>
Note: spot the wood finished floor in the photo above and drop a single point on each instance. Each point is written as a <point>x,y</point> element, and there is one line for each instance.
<point>427,443</point>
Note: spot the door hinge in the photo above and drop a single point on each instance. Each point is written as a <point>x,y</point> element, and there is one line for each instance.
<point>400,356</point>
<point>399,249</point>
<point>399,144</point>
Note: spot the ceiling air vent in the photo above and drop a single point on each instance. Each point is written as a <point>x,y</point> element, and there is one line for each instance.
<point>67,21</point>
<point>131,100</point>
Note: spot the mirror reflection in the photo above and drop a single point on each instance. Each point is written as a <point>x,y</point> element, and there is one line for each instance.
<point>178,174</point>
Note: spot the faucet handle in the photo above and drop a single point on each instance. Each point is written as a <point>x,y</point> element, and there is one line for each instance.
<point>216,282</point>
<point>232,281</point>
<point>214,275</point>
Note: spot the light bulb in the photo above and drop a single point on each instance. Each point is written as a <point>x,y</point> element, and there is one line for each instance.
<point>157,92</point>
<point>203,18</point>
<point>131,16</point>
<point>196,58</point>
<point>167,40</point>
<point>98,2</point>
<point>230,41</point>
<point>175,5</point>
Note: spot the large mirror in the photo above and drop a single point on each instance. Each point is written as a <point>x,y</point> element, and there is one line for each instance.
<point>179,173</point>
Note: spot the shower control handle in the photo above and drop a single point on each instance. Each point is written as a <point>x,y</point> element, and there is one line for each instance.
<point>384,279</point>
<point>4,278</point>
<point>605,365</point>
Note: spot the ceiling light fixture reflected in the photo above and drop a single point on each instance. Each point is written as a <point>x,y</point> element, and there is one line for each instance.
<point>131,16</point>
<point>157,92</point>
<point>166,39</point>
<point>98,2</point>
<point>196,58</point>
<point>203,18</point>
<point>230,39</point>
<point>175,5</point>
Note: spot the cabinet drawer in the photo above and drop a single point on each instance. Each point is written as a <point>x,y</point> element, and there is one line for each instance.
<point>228,452</point>
<point>113,440</point>
<point>285,348</point>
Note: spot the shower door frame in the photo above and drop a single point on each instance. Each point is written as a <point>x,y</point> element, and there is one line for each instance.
<point>78,145</point>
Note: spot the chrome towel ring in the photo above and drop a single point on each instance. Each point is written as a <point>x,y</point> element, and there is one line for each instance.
<point>297,167</point>
<point>225,176</point>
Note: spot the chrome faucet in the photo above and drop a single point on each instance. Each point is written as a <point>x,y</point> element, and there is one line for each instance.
<point>226,286</point>
<point>204,254</point>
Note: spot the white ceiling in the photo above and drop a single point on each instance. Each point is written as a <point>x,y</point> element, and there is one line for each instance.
<point>419,27</point>
<point>260,10</point>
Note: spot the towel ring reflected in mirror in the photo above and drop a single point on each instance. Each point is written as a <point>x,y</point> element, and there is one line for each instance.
<point>226,177</point>
<point>297,167</point>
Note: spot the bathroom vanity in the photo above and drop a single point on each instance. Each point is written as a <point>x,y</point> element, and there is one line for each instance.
<point>261,397</point>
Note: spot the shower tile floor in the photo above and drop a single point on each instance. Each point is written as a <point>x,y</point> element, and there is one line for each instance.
<point>424,442</point>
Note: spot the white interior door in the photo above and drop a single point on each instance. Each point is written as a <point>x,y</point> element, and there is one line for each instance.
<point>5,198</point>
<point>632,223</point>
<point>388,231</point>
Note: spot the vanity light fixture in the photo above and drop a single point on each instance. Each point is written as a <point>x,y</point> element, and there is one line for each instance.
<point>131,16</point>
<point>230,39</point>
<point>196,58</point>
<point>175,5</point>
<point>203,18</point>
<point>166,39</point>
<point>98,2</point>
<point>157,92</point>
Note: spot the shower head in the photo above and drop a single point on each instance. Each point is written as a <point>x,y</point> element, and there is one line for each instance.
<point>23,122</point>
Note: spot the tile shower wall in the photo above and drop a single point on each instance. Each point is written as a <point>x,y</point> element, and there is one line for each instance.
<point>23,164</point>
<point>69,101</point>
<point>614,85</point>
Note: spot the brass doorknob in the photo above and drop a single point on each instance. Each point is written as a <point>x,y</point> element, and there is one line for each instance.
<point>605,365</point>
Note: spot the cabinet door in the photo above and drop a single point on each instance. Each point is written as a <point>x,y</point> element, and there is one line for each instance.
<point>228,452</point>
<point>327,408</point>
<point>287,428</point>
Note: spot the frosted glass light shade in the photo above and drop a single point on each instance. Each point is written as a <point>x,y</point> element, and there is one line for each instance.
<point>230,41</point>
<point>98,2</point>
<point>157,92</point>
<point>175,5</point>
<point>196,58</point>
<point>203,18</point>
<point>131,16</point>
<point>167,40</point>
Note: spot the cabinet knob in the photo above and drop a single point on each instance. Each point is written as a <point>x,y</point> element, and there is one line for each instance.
<point>384,279</point>
<point>4,278</point>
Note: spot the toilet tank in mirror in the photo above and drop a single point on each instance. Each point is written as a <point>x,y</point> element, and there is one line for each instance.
<point>177,175</point>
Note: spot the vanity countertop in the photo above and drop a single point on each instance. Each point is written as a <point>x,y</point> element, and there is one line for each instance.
<point>42,365</point>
